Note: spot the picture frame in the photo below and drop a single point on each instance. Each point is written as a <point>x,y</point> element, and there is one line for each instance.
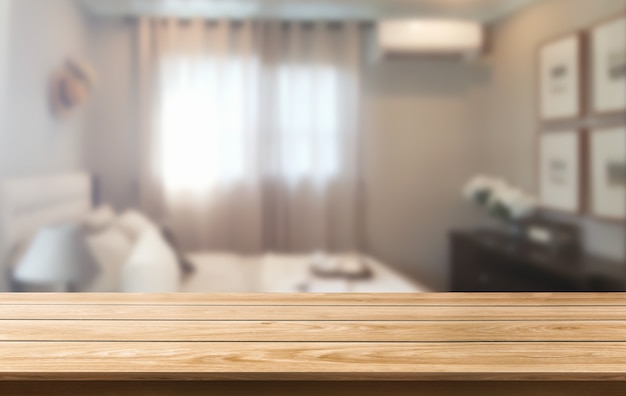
<point>560,167</point>
<point>608,66</point>
<point>607,173</point>
<point>560,71</point>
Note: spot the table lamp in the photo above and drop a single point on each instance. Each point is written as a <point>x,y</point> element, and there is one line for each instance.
<point>57,257</point>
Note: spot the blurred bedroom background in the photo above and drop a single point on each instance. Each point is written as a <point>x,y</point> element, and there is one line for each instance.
<point>312,146</point>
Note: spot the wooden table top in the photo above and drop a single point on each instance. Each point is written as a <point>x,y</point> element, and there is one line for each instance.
<point>483,337</point>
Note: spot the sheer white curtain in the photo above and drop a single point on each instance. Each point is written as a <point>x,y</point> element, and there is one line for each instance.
<point>249,133</point>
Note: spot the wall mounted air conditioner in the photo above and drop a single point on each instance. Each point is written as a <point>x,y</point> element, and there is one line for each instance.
<point>430,38</point>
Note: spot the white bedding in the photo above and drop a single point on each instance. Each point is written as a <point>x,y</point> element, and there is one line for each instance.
<point>277,273</point>
<point>34,203</point>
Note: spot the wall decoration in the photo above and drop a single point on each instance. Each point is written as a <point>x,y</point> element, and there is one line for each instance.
<point>608,173</point>
<point>608,65</point>
<point>560,171</point>
<point>71,86</point>
<point>559,79</point>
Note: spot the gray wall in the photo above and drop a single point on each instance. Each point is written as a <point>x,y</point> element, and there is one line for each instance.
<point>424,128</point>
<point>513,99</point>
<point>111,147</point>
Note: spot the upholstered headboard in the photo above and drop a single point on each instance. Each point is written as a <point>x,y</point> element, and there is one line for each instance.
<point>28,204</point>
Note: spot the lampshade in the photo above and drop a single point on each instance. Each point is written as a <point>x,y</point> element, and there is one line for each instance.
<point>57,255</point>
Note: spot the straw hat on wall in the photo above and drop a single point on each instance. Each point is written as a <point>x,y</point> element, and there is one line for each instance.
<point>71,86</point>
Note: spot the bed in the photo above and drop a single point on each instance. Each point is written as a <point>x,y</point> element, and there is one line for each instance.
<point>148,265</point>
<point>282,273</point>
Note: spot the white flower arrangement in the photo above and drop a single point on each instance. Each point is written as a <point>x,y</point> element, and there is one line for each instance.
<point>499,199</point>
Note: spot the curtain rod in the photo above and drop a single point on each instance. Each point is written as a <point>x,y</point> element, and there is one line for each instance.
<point>183,20</point>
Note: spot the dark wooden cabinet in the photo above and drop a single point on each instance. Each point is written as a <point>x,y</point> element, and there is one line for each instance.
<point>488,261</point>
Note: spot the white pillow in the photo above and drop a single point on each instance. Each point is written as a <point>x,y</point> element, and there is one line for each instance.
<point>152,266</point>
<point>134,224</point>
<point>110,249</point>
<point>99,219</point>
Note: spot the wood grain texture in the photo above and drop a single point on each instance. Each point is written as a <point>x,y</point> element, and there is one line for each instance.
<point>332,299</point>
<point>311,331</point>
<point>314,361</point>
<point>311,312</point>
<point>429,337</point>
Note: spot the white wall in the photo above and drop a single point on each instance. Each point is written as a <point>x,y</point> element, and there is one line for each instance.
<point>5,26</point>
<point>41,35</point>
<point>5,20</point>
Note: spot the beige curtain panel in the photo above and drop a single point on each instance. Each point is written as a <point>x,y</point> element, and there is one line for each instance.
<point>250,133</point>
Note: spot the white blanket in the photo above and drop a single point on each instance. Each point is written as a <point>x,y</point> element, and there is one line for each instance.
<point>274,273</point>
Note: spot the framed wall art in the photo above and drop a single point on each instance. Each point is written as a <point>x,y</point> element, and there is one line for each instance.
<point>560,87</point>
<point>607,173</point>
<point>608,66</point>
<point>560,171</point>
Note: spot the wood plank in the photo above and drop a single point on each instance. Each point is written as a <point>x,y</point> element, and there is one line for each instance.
<point>566,338</point>
<point>337,331</point>
<point>305,388</point>
<point>312,313</point>
<point>472,299</point>
<point>555,361</point>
